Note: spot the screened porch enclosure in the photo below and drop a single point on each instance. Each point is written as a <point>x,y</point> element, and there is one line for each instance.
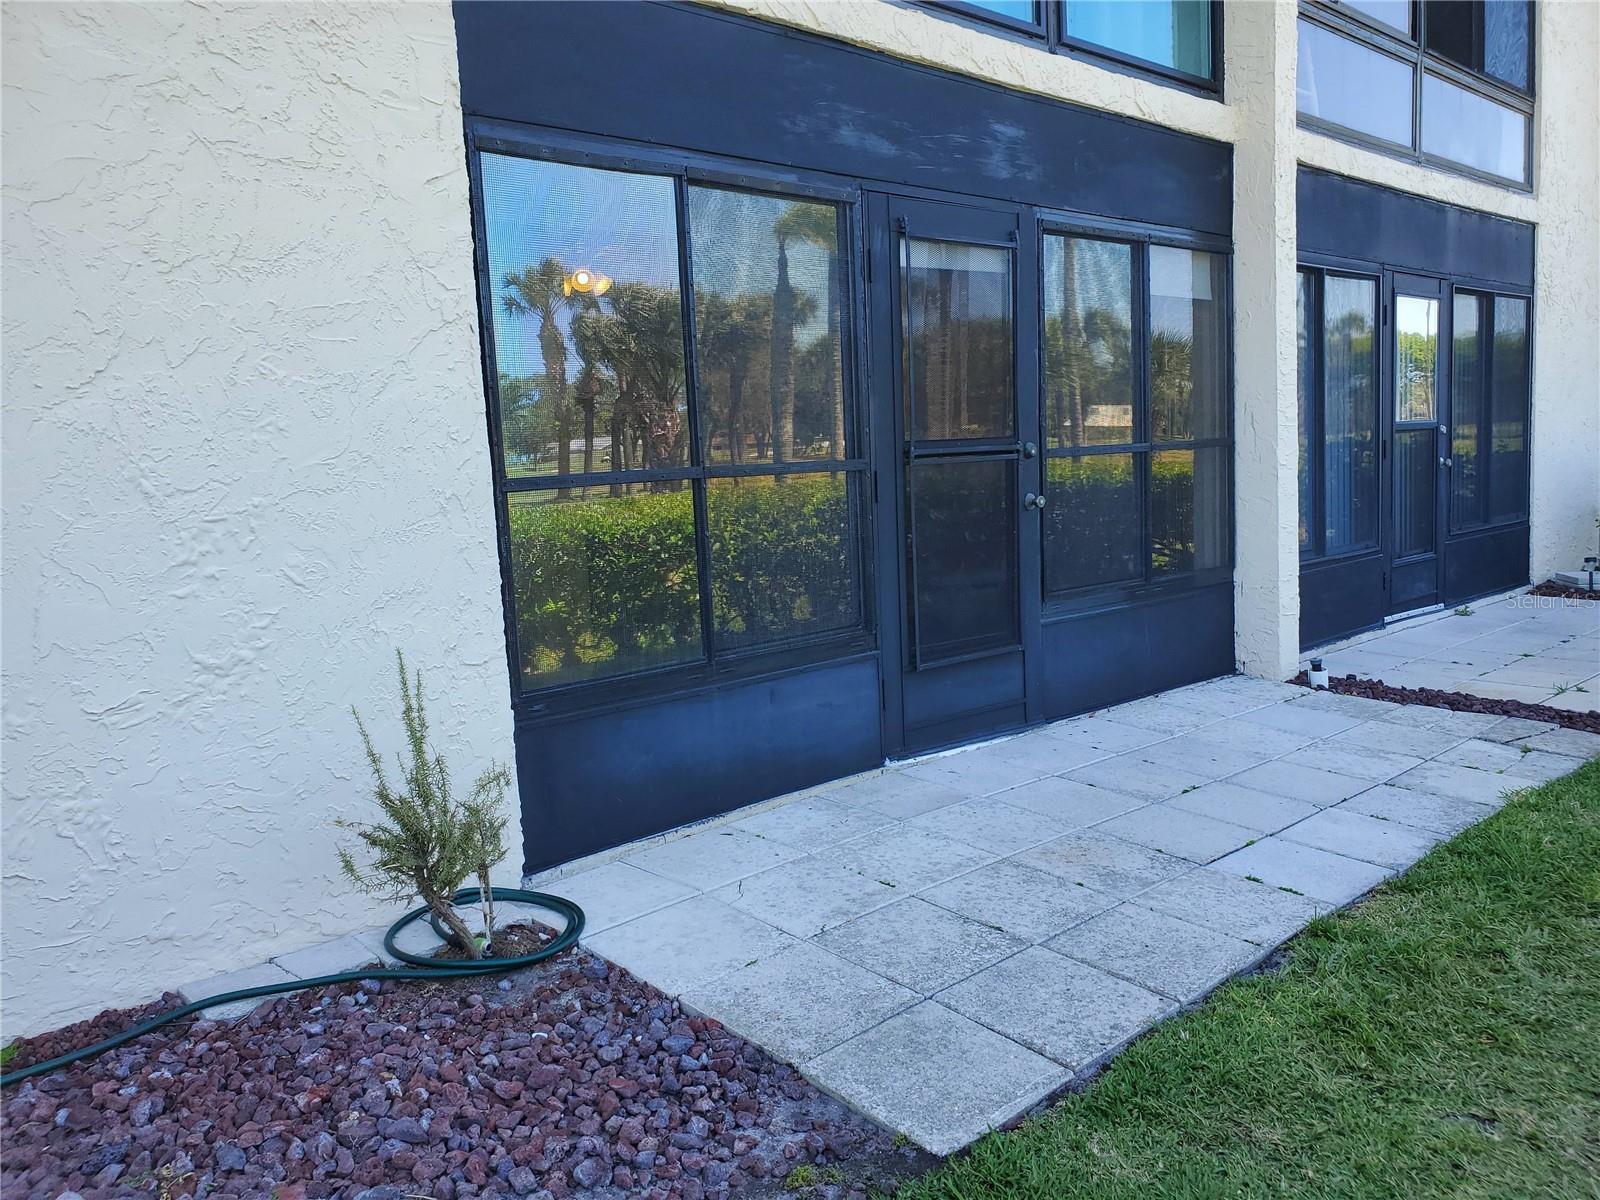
<point>1414,328</point>
<point>801,468</point>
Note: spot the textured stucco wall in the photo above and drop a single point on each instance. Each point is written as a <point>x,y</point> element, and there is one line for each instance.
<point>1260,48</point>
<point>1566,360</point>
<point>244,457</point>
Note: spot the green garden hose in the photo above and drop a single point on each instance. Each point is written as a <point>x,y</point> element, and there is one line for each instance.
<point>426,968</point>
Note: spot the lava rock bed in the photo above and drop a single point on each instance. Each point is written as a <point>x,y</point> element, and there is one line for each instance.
<point>568,1079</point>
<point>1376,689</point>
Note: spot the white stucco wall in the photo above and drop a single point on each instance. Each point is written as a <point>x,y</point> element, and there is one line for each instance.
<point>244,458</point>
<point>1260,48</point>
<point>1566,355</point>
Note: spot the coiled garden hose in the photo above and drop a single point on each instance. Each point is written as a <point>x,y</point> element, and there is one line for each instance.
<point>425,968</point>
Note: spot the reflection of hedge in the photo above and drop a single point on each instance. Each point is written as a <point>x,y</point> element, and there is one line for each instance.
<point>609,584</point>
<point>1094,515</point>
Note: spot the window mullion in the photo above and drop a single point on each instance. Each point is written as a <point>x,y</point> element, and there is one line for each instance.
<point>1143,374</point>
<point>691,383</point>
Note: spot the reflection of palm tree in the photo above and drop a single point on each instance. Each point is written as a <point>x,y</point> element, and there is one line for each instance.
<point>818,224</point>
<point>783,323</point>
<point>728,332</point>
<point>538,291</point>
<point>640,342</point>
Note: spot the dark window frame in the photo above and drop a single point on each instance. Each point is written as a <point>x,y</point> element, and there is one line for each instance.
<point>1049,32</point>
<point>1374,35</point>
<point>1488,301</point>
<point>1315,550</point>
<point>713,667</point>
<point>1150,584</point>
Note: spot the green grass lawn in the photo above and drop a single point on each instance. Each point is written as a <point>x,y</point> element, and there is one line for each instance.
<point>1440,1039</point>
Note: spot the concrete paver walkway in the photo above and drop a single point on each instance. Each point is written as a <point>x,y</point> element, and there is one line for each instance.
<point>947,942</point>
<point>1531,648</point>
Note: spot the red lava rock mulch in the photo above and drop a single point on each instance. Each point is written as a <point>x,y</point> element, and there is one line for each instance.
<point>1375,689</point>
<point>568,1079</point>
<point>1561,591</point>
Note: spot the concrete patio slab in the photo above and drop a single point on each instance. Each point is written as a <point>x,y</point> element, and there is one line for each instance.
<point>1071,1012</point>
<point>232,981</point>
<point>1256,912</point>
<point>920,945</point>
<point>1283,778</point>
<point>807,896</point>
<point>1572,742</point>
<point>689,943</point>
<point>1356,835</point>
<point>800,1001</point>
<point>1447,815</point>
<point>907,858</point>
<point>942,1079</point>
<point>1103,733</point>
<point>976,772</point>
<point>991,824</point>
<point>1304,869</point>
<point>1313,723</point>
<point>1047,755</point>
<point>812,824</point>
<point>1132,776</point>
<point>1465,783</point>
<point>332,957</point>
<point>895,794</point>
<point>712,857</point>
<point>1021,900</point>
<point>1255,810</point>
<point>1179,832</point>
<point>1157,951</point>
<point>1518,729</point>
<point>1070,802</point>
<point>1392,737</point>
<point>1368,763</point>
<point>616,891</point>
<point>1103,863</point>
<point>1196,754</point>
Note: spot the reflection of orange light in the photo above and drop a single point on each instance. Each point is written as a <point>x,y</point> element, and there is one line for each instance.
<point>586,282</point>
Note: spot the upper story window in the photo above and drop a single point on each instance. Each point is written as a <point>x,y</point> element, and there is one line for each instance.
<point>1174,40</point>
<point>1447,82</point>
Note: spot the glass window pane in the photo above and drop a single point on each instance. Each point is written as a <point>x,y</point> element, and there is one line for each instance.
<point>603,583</point>
<point>588,332</point>
<point>1170,33</point>
<point>1508,445</point>
<point>1088,342</point>
<point>1506,41</point>
<point>783,554</point>
<point>1346,83</point>
<point>963,556</point>
<point>1188,346</point>
<point>1488,36</point>
<point>1350,416</point>
<point>1017,10</point>
<point>1466,413</point>
<point>766,311</point>
<point>1305,395</point>
<point>1189,510</point>
<point>1415,478</point>
<point>1091,524</point>
<point>1396,14</point>
<point>1416,336</point>
<point>958,312</point>
<point>1473,130</point>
